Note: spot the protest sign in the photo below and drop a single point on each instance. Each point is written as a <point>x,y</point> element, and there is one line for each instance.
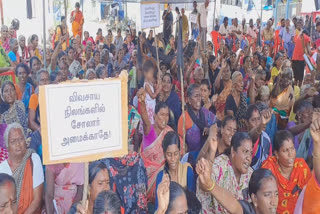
<point>150,15</point>
<point>84,121</point>
<point>193,18</point>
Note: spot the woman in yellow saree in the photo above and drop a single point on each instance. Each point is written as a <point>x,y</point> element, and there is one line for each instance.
<point>77,21</point>
<point>282,97</point>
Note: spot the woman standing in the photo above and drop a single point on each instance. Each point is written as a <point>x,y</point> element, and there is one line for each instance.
<point>197,120</point>
<point>230,171</point>
<point>178,172</point>
<point>77,21</point>
<point>24,90</point>
<point>291,173</point>
<point>236,103</point>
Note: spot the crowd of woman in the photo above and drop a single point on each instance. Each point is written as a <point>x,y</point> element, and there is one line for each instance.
<point>252,133</point>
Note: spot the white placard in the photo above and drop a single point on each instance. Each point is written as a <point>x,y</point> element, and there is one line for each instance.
<point>150,15</point>
<point>83,118</point>
<point>193,18</point>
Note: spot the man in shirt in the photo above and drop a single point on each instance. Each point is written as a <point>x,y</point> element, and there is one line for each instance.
<point>268,35</point>
<point>224,32</point>
<point>194,25</point>
<point>252,31</point>
<point>286,35</point>
<point>244,27</point>
<point>235,29</point>
<point>185,25</point>
<point>167,18</point>
<point>202,20</point>
<point>302,46</point>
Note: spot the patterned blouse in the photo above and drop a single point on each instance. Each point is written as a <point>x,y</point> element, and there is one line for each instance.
<point>224,176</point>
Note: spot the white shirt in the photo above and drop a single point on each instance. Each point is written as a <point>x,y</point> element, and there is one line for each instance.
<point>37,175</point>
<point>224,30</point>
<point>236,28</point>
<point>203,15</point>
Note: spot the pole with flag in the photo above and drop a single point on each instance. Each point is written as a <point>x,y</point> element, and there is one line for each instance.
<point>180,65</point>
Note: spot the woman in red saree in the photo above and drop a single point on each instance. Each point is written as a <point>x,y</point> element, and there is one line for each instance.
<point>151,148</point>
<point>291,173</point>
<point>77,21</point>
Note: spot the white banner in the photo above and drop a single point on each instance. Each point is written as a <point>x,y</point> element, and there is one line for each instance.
<point>150,15</point>
<point>82,119</point>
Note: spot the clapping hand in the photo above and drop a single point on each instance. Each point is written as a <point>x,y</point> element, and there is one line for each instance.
<point>204,171</point>
<point>163,193</point>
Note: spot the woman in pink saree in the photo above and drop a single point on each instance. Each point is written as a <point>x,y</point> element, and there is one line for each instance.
<point>151,148</point>
<point>64,184</point>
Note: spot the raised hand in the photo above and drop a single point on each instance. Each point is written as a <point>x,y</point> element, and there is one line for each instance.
<point>315,131</point>
<point>213,139</point>
<point>316,114</point>
<point>204,171</point>
<point>266,116</point>
<point>214,99</point>
<point>163,193</point>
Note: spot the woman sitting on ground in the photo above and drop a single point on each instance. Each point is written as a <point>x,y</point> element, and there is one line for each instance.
<point>223,135</point>
<point>64,185</point>
<point>15,112</point>
<point>24,90</point>
<point>7,194</point>
<point>178,172</point>
<point>292,173</point>
<point>151,150</point>
<point>172,197</point>
<point>262,183</point>
<point>283,97</point>
<point>26,168</point>
<point>231,171</point>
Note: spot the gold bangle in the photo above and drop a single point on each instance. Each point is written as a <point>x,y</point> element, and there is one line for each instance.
<point>212,187</point>
<point>315,156</point>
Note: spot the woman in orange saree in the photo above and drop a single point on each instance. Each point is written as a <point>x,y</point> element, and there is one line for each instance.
<point>77,21</point>
<point>151,148</point>
<point>26,168</point>
<point>291,173</point>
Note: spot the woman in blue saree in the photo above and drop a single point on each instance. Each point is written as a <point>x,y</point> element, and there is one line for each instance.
<point>24,90</point>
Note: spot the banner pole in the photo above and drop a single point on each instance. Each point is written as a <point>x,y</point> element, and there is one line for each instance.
<point>86,183</point>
